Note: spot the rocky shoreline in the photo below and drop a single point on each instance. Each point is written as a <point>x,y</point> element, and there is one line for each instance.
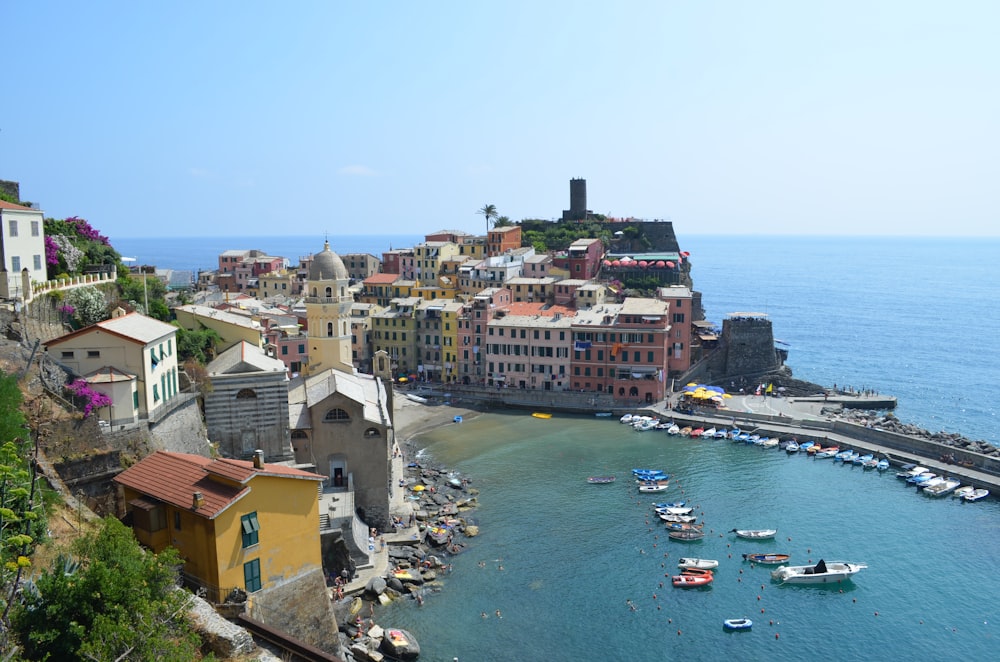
<point>888,422</point>
<point>443,504</point>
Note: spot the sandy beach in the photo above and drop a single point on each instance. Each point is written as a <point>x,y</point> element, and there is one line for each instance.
<point>412,418</point>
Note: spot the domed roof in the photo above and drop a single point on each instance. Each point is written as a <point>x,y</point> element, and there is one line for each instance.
<point>327,265</point>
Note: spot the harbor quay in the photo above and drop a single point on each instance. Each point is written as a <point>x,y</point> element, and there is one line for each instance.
<point>804,420</point>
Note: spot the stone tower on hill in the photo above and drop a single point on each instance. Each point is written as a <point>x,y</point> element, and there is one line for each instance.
<point>748,345</point>
<point>328,312</point>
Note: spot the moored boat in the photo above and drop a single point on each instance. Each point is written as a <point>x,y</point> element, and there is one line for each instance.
<point>767,559</point>
<point>691,581</point>
<point>683,519</point>
<point>541,414</point>
<point>674,429</point>
<point>603,414</point>
<point>755,534</point>
<point>821,573</point>
<point>792,447</point>
<point>684,526</point>
<point>976,495</point>
<point>627,418</point>
<point>946,486</point>
<point>600,480</point>
<point>883,464</point>
<point>737,624</point>
<point>962,491</point>
<point>702,564</point>
<point>686,536</point>
<point>652,487</point>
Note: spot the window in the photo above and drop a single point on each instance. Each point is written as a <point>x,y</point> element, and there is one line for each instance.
<point>302,349</point>
<point>251,528</point>
<point>372,433</point>
<point>37,262</point>
<point>156,393</point>
<point>336,416</point>
<point>67,355</point>
<point>251,575</point>
<point>34,228</point>
<point>13,228</point>
<point>246,394</point>
<point>15,261</point>
<point>93,354</point>
<point>678,317</point>
<point>649,357</point>
<point>177,520</point>
<point>284,350</point>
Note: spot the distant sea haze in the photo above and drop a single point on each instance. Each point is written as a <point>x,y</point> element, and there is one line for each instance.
<point>202,253</point>
<point>910,317</point>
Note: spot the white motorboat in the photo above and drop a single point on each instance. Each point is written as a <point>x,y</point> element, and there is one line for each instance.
<point>976,495</point>
<point>946,486</point>
<point>755,534</point>
<point>709,433</point>
<point>674,429</point>
<point>770,443</point>
<point>792,447</point>
<point>674,510</point>
<point>627,418</point>
<point>701,564</point>
<point>915,471</point>
<point>962,491</point>
<point>678,519</point>
<point>654,487</point>
<point>821,573</point>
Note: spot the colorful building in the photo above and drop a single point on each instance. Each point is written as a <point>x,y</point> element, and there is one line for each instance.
<point>237,524</point>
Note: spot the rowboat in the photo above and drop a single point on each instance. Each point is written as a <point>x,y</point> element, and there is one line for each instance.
<point>755,534</point>
<point>697,432</point>
<point>691,581</point>
<point>882,465</point>
<point>682,519</point>
<point>703,564</point>
<point>767,559</point>
<point>686,431</point>
<point>821,573</point>
<point>674,429</point>
<point>627,418</point>
<point>670,504</point>
<point>697,572</point>
<point>709,433</point>
<point>792,447</point>
<point>653,487</point>
<point>675,510</point>
<point>863,458</point>
<point>684,526</point>
<point>600,480</point>
<point>686,536</point>
<point>721,433</point>
<point>737,624</point>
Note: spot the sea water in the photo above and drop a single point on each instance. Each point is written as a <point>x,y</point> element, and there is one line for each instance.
<point>914,318</point>
<point>574,554</point>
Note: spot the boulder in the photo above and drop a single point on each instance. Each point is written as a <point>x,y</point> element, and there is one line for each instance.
<point>400,644</point>
<point>375,585</point>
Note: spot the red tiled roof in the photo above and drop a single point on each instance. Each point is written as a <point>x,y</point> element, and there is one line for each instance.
<point>174,478</point>
<point>10,205</point>
<point>381,279</point>
<point>528,309</point>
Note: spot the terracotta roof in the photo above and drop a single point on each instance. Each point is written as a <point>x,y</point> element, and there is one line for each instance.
<point>10,205</point>
<point>173,478</point>
<point>381,279</point>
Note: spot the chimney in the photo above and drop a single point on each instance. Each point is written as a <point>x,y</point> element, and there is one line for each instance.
<point>258,459</point>
<point>197,501</point>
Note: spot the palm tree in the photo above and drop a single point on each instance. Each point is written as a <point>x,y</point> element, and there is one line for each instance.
<point>489,211</point>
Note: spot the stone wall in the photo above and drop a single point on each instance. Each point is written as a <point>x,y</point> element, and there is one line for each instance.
<point>301,608</point>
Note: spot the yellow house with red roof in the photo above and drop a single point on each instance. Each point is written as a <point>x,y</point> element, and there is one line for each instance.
<point>237,523</point>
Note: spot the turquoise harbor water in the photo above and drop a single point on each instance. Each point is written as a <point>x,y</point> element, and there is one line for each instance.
<point>574,553</point>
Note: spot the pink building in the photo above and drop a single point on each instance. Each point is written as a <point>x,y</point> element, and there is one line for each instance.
<point>682,328</point>
<point>473,324</point>
<point>530,347</point>
<point>582,259</point>
<point>622,349</point>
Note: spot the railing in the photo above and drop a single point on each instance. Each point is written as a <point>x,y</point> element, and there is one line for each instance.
<point>169,406</point>
<point>39,287</point>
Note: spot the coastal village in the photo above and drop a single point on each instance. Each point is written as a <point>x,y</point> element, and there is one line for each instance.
<point>281,469</point>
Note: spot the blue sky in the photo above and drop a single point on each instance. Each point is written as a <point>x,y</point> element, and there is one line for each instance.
<point>252,118</point>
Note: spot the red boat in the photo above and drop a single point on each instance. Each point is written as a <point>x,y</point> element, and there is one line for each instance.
<point>691,581</point>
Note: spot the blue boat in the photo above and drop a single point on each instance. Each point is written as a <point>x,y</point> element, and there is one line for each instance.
<point>672,504</point>
<point>861,459</point>
<point>882,465</point>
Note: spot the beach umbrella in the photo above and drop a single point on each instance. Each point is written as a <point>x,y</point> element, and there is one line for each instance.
<point>643,264</point>
<point>670,264</point>
<point>660,263</point>
<point>419,488</point>
<point>685,254</point>
<point>607,263</point>
<point>616,263</point>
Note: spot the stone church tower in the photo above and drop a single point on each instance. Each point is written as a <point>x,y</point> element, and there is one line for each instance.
<point>328,311</point>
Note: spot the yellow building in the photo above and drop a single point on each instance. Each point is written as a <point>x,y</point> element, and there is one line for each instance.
<point>233,328</point>
<point>428,257</point>
<point>394,332</point>
<point>237,524</point>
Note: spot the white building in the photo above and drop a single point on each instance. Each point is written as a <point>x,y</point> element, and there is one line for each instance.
<point>22,249</point>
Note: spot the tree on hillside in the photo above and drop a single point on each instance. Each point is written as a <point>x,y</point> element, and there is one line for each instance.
<point>110,600</point>
<point>197,345</point>
<point>22,514</point>
<point>489,212</point>
<point>503,222</point>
